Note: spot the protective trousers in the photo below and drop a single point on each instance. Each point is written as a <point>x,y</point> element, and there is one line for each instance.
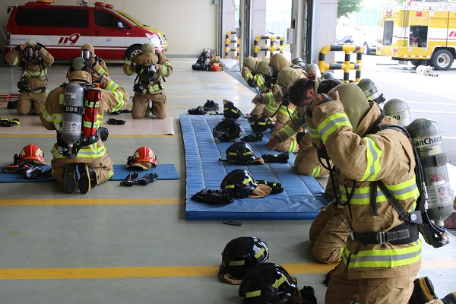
<point>329,233</point>
<point>307,162</point>
<point>141,107</point>
<point>342,290</point>
<point>28,101</point>
<point>102,166</point>
<point>289,144</point>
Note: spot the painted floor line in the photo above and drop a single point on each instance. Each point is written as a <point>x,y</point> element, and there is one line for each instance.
<point>75,202</point>
<point>169,271</point>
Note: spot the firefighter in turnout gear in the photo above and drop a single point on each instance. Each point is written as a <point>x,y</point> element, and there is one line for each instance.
<point>33,60</point>
<point>87,154</point>
<point>151,68</point>
<point>99,68</point>
<point>383,253</point>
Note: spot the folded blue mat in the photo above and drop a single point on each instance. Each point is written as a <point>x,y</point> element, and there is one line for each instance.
<point>164,171</point>
<point>302,198</point>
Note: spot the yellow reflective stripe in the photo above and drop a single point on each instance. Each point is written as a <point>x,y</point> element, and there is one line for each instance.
<point>331,124</point>
<point>236,263</point>
<point>313,133</point>
<point>93,151</point>
<point>120,100</point>
<point>253,294</point>
<point>293,146</point>
<point>259,80</point>
<point>271,100</point>
<point>383,258</point>
<point>129,70</point>
<point>407,190</point>
<point>229,186</point>
<point>248,77</point>
<point>288,130</point>
<point>35,74</point>
<point>247,180</point>
<point>279,282</point>
<point>166,64</point>
<point>154,88</point>
<point>102,71</point>
<point>373,155</point>
<point>270,109</point>
<point>259,253</point>
<point>112,86</point>
<point>164,70</point>
<point>283,111</point>
<point>316,171</point>
<point>61,98</point>
<point>15,61</point>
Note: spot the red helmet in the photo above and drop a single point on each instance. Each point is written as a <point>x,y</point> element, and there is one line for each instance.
<point>215,66</point>
<point>30,154</point>
<point>144,158</point>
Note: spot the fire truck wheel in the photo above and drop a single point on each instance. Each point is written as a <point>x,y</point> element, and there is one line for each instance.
<point>133,50</point>
<point>442,59</point>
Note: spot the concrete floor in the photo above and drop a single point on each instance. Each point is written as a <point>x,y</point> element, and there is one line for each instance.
<point>133,245</point>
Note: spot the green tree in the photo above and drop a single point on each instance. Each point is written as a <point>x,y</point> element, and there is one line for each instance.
<point>346,7</point>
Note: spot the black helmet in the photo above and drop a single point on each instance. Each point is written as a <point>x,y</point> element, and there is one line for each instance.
<point>242,254</point>
<point>230,111</point>
<point>261,124</point>
<point>267,283</point>
<point>240,182</point>
<point>227,130</point>
<point>240,153</point>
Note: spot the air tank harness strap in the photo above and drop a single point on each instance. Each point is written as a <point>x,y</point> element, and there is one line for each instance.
<point>403,234</point>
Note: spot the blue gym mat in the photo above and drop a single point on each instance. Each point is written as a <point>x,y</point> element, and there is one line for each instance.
<point>164,171</point>
<point>302,198</point>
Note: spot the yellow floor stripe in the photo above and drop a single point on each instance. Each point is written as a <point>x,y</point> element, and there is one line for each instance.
<point>65,202</point>
<point>169,271</point>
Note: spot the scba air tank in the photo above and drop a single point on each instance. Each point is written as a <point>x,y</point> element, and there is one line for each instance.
<point>428,141</point>
<point>73,105</point>
<point>399,110</point>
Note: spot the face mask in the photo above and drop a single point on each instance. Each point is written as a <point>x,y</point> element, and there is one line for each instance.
<point>86,54</point>
<point>28,54</point>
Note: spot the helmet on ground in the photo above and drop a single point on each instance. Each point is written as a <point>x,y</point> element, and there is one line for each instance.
<point>240,182</point>
<point>239,256</point>
<point>215,66</point>
<point>230,111</point>
<point>399,110</point>
<point>227,130</point>
<point>240,153</point>
<point>30,154</point>
<point>267,283</point>
<point>261,124</point>
<point>144,158</point>
<point>370,90</point>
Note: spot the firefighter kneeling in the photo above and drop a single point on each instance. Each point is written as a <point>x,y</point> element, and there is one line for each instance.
<point>75,111</point>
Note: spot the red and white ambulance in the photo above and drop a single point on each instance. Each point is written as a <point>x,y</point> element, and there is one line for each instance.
<point>62,29</point>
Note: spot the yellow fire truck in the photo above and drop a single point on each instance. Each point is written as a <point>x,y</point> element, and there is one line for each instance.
<point>424,34</point>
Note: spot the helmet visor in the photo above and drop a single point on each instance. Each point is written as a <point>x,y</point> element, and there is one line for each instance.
<point>86,54</point>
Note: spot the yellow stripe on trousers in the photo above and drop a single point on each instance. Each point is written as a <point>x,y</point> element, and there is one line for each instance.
<point>169,271</point>
<point>112,201</point>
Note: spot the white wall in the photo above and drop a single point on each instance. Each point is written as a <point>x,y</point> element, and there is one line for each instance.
<point>190,26</point>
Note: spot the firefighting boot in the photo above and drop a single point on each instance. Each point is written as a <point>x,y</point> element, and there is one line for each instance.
<point>423,291</point>
<point>69,178</point>
<point>449,298</point>
<point>86,178</point>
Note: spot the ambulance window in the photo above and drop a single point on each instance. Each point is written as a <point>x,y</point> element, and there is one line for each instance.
<point>53,17</point>
<point>106,19</point>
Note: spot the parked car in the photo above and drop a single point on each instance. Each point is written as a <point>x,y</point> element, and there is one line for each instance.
<point>62,29</point>
<point>367,38</point>
<point>343,39</point>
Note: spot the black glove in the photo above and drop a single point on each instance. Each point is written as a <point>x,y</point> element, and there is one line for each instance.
<point>147,179</point>
<point>253,137</point>
<point>38,47</point>
<point>130,180</point>
<point>277,158</point>
<point>104,133</point>
<point>18,48</point>
<point>276,186</point>
<point>36,172</point>
<point>213,196</point>
<point>4,122</point>
<point>308,295</point>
